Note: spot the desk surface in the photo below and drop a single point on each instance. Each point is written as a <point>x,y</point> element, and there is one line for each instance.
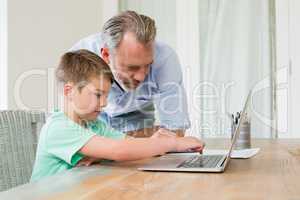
<point>272,174</point>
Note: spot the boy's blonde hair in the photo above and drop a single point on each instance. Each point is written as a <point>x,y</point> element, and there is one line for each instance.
<point>81,65</point>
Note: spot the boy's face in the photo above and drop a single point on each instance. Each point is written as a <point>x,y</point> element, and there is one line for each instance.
<point>88,102</point>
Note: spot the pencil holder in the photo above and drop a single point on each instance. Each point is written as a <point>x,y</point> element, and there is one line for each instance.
<point>244,139</point>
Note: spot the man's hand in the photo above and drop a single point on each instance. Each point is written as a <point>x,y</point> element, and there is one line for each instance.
<point>148,132</point>
<point>87,161</point>
<point>163,133</point>
<point>189,143</point>
<point>142,133</point>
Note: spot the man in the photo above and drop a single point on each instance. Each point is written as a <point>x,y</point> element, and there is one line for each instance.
<point>147,76</point>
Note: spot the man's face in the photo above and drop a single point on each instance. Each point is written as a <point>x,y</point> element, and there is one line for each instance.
<point>130,62</point>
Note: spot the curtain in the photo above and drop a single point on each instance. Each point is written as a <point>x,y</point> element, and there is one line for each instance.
<point>236,46</point>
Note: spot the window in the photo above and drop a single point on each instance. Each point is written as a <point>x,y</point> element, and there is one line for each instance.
<point>3,54</point>
<point>288,60</point>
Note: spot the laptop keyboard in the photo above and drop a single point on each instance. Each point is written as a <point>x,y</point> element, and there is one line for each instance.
<point>204,161</point>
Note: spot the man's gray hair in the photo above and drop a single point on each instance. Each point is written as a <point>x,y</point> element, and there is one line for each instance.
<point>128,21</point>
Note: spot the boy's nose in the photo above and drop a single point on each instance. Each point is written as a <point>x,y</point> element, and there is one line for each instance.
<point>102,102</point>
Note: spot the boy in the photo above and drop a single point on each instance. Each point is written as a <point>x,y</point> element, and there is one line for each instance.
<point>75,137</point>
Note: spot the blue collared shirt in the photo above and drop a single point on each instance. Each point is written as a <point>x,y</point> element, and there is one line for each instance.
<point>162,90</point>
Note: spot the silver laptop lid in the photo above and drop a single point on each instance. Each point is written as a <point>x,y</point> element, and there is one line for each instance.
<point>237,130</point>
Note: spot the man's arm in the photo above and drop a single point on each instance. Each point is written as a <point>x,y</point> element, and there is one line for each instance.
<point>171,99</point>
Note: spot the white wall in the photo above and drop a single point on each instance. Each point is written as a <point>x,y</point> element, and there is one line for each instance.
<point>39,32</point>
<point>3,54</point>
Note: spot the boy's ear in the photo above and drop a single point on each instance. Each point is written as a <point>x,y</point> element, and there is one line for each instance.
<point>105,54</point>
<point>68,87</point>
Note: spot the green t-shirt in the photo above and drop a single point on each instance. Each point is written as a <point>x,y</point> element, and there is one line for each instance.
<point>61,139</point>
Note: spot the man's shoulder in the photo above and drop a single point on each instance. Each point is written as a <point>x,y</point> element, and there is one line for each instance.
<point>96,37</point>
<point>162,52</point>
<point>162,48</point>
<point>92,43</point>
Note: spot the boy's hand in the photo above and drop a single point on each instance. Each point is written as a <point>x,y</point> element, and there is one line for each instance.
<point>87,161</point>
<point>189,144</point>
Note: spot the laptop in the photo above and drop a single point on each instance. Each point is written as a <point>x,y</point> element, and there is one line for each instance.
<point>195,162</point>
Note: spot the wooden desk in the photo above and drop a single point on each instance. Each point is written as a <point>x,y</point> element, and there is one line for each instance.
<point>272,174</point>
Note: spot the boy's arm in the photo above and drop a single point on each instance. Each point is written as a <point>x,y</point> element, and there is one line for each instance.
<point>139,148</point>
<point>106,148</point>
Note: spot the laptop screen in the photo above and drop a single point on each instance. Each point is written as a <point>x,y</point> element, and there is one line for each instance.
<point>237,130</point>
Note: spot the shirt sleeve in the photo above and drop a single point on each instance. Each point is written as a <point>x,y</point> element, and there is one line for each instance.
<point>171,100</point>
<point>65,139</point>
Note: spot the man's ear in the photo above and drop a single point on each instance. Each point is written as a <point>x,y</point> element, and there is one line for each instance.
<point>105,54</point>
